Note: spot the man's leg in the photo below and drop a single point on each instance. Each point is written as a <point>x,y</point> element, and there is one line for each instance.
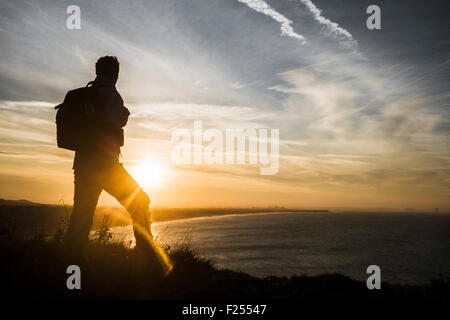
<point>126,190</point>
<point>87,190</point>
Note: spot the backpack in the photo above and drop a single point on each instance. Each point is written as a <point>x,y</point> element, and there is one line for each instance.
<point>79,124</point>
<point>73,123</point>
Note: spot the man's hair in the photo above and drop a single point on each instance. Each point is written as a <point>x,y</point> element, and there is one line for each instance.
<point>107,66</point>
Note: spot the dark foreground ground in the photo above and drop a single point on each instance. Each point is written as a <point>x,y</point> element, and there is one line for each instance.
<point>37,269</point>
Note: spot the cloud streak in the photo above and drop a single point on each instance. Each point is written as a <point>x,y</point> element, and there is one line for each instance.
<point>340,33</point>
<point>286,24</point>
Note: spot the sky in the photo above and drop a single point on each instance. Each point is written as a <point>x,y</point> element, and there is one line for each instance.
<point>363,115</point>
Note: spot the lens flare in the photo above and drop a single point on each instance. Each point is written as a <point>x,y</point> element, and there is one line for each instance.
<point>161,255</point>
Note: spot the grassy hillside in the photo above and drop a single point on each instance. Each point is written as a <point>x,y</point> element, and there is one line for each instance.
<point>37,268</point>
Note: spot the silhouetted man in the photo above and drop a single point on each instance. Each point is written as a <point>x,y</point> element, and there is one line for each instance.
<point>96,164</point>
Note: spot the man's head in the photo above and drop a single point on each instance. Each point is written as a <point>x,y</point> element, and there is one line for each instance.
<point>107,66</point>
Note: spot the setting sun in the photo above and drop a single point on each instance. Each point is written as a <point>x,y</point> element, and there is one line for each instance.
<point>147,173</point>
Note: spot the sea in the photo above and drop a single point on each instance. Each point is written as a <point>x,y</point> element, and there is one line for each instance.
<point>408,247</point>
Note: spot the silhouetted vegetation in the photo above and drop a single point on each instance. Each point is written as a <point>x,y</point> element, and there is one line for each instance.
<point>37,268</point>
<point>103,234</point>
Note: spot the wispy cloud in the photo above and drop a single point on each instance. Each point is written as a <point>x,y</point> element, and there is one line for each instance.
<point>286,24</point>
<point>340,33</point>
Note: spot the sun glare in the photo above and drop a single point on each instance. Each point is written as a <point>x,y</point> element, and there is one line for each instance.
<point>147,173</point>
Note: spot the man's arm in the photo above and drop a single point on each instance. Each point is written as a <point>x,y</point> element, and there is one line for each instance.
<point>115,113</point>
<point>118,116</point>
